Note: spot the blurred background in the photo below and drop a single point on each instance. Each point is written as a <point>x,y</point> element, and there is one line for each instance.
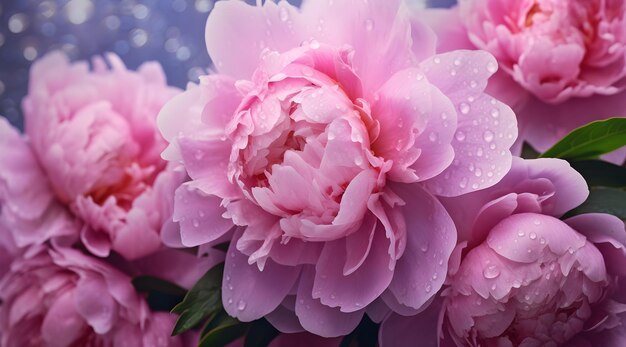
<point>170,32</point>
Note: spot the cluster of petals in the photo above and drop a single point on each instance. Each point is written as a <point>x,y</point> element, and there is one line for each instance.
<point>523,277</point>
<point>90,155</point>
<point>562,63</point>
<point>318,154</point>
<point>60,297</point>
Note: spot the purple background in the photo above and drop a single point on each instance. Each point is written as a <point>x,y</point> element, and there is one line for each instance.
<point>171,32</point>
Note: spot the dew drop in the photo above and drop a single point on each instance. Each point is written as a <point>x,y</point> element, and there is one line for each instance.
<point>537,222</point>
<point>460,136</point>
<point>521,233</point>
<point>491,271</point>
<point>424,248</point>
<point>495,113</point>
<point>230,301</point>
<point>533,235</point>
<point>542,241</point>
<point>241,305</point>
<point>457,62</point>
<point>433,137</point>
<point>464,108</point>
<point>473,84</point>
<point>314,44</point>
<point>428,288</point>
<point>358,161</point>
<point>195,223</point>
<point>463,182</point>
<point>488,136</point>
<point>419,77</point>
<point>492,67</point>
<point>369,24</point>
<point>453,72</point>
<point>478,172</point>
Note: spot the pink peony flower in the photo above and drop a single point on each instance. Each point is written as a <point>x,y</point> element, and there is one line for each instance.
<point>525,277</point>
<point>562,62</point>
<point>94,139</point>
<point>556,49</point>
<point>64,298</point>
<point>317,150</point>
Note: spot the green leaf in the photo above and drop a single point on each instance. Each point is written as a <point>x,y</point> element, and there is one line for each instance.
<point>599,173</point>
<point>222,330</point>
<point>260,334</point>
<point>603,200</point>
<point>202,301</point>
<point>590,141</point>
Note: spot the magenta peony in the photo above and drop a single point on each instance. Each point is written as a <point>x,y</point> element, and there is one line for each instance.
<point>563,63</point>
<point>64,298</point>
<point>525,277</point>
<point>317,149</point>
<point>94,151</point>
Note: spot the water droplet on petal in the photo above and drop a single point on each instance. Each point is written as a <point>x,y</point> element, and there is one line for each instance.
<point>464,108</point>
<point>437,60</point>
<point>537,222</point>
<point>369,24</point>
<point>428,288</point>
<point>241,305</point>
<point>419,77</point>
<point>533,235</point>
<point>314,44</point>
<point>463,182</point>
<point>492,67</point>
<point>491,271</point>
<point>488,136</point>
<point>460,136</point>
<point>495,113</point>
<point>473,84</point>
<point>433,137</point>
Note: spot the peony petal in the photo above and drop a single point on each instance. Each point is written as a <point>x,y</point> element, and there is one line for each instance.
<point>62,325</point>
<point>248,293</point>
<point>376,31</point>
<point>399,331</point>
<point>95,304</point>
<point>431,237</point>
<point>358,289</point>
<point>320,319</point>
<point>199,216</point>
<point>486,127</point>
<point>234,27</point>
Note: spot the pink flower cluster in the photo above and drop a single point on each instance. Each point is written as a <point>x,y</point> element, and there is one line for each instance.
<point>85,181</point>
<point>357,158</point>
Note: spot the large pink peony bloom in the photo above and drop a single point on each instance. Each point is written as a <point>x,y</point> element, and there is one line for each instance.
<point>64,298</point>
<point>525,277</point>
<point>317,149</point>
<point>95,150</point>
<point>563,63</point>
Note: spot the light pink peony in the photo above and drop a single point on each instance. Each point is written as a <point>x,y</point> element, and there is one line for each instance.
<point>64,298</point>
<point>556,49</point>
<point>525,277</point>
<point>96,148</point>
<point>317,150</point>
<point>562,62</point>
